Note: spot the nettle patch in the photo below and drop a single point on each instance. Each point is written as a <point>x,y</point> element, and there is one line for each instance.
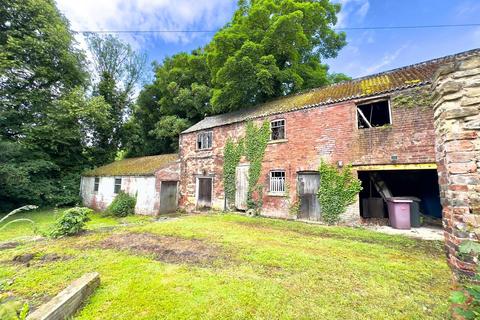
<point>253,147</point>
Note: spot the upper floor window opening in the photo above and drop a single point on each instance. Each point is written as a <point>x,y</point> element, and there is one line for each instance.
<point>277,128</point>
<point>374,114</point>
<point>204,140</point>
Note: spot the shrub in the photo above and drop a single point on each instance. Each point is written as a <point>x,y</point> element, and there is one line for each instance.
<point>70,222</point>
<point>123,205</point>
<point>338,189</point>
<point>467,300</point>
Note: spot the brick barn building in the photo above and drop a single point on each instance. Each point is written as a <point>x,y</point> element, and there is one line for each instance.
<point>414,129</point>
<point>382,124</point>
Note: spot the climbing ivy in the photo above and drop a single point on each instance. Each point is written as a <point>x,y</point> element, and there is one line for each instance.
<point>338,189</point>
<point>253,147</point>
<point>232,154</point>
<point>256,141</point>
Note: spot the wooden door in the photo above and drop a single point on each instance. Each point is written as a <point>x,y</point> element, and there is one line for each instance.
<point>168,196</point>
<point>241,186</point>
<point>308,184</point>
<point>204,200</point>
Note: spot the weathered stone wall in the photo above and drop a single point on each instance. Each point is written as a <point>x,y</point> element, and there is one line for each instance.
<point>457,124</point>
<point>328,132</point>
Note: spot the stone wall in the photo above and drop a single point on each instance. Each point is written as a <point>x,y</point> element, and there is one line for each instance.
<point>457,124</point>
<point>328,132</point>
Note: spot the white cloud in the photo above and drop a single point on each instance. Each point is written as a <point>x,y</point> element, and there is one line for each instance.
<point>353,11</point>
<point>385,61</point>
<point>148,15</point>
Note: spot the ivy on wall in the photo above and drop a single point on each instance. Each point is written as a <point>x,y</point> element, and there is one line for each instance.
<point>338,189</point>
<point>253,147</point>
<point>232,154</point>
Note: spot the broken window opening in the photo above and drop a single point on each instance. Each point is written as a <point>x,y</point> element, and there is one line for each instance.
<point>277,128</point>
<point>374,114</point>
<point>204,140</point>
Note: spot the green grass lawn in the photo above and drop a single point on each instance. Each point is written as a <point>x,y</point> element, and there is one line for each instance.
<point>220,266</point>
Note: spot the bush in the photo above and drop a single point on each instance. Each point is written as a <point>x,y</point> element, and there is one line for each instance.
<point>70,222</point>
<point>123,205</point>
<point>338,189</point>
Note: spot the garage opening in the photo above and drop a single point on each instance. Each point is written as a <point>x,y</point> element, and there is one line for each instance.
<point>421,186</point>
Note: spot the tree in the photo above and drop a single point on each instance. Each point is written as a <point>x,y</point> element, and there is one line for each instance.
<point>38,61</point>
<point>272,48</point>
<point>119,69</point>
<point>48,125</point>
<point>178,97</point>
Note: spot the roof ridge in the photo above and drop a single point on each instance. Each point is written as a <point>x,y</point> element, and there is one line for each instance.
<point>422,70</point>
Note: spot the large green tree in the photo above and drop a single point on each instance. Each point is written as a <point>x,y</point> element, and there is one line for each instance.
<point>119,69</point>
<point>48,124</point>
<point>270,48</point>
<point>179,96</point>
<point>38,62</point>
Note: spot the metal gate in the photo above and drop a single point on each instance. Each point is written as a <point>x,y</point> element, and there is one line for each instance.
<point>204,200</point>
<point>308,184</point>
<point>241,186</point>
<point>168,196</point>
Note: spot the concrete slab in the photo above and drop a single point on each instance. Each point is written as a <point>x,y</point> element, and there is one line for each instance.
<point>425,233</point>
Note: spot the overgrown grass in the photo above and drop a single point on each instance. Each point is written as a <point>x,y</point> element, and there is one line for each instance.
<point>267,269</point>
<point>44,219</point>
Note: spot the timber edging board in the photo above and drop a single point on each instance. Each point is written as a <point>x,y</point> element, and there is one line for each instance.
<point>69,300</point>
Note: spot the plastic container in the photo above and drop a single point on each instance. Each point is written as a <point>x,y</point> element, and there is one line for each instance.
<point>414,211</point>
<point>399,212</point>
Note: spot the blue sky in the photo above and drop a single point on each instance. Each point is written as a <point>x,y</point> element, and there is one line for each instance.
<point>367,51</point>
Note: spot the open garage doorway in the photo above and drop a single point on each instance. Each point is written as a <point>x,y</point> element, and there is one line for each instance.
<point>421,185</point>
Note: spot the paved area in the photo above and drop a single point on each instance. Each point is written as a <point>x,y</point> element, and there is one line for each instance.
<point>425,233</point>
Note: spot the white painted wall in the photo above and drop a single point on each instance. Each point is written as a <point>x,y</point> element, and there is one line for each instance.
<point>143,187</point>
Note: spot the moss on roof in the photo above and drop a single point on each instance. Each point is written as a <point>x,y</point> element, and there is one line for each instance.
<point>382,83</point>
<point>142,166</point>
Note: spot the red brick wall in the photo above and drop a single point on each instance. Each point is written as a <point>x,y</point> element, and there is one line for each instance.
<point>170,172</point>
<point>328,132</point>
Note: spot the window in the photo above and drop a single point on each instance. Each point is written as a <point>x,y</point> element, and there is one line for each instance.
<point>204,140</point>
<point>96,184</point>
<point>118,185</point>
<point>277,128</point>
<point>277,181</point>
<point>374,114</point>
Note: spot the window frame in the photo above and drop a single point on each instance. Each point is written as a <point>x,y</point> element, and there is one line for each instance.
<point>282,185</point>
<point>96,184</point>
<point>115,184</point>
<point>198,141</point>
<point>284,129</point>
<point>366,102</point>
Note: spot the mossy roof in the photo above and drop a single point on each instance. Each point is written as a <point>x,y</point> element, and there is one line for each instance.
<point>142,166</point>
<point>382,83</point>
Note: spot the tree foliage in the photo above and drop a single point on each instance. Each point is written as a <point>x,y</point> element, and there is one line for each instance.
<point>48,124</point>
<point>270,48</point>
<point>119,69</point>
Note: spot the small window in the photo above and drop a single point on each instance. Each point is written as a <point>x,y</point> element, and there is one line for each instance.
<point>118,185</point>
<point>204,140</point>
<point>277,128</point>
<point>374,114</point>
<point>277,181</point>
<point>96,184</point>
